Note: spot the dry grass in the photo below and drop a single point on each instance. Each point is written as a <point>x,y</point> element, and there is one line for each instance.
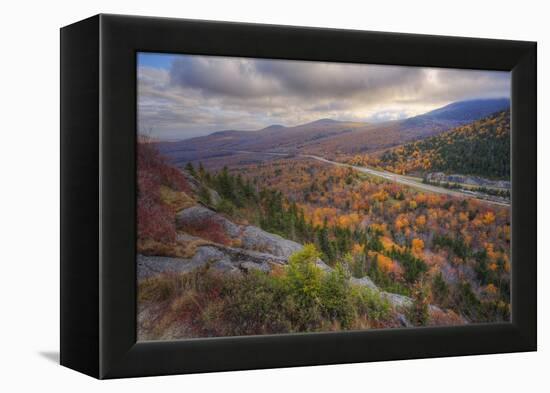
<point>177,249</point>
<point>177,200</point>
<point>207,303</point>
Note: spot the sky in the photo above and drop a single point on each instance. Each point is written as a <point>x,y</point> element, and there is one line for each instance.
<point>184,96</point>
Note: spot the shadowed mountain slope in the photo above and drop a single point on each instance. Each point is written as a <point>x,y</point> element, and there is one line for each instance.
<point>328,137</point>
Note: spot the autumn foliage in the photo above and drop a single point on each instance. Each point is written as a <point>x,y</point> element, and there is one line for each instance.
<point>397,235</point>
<point>155,217</point>
<point>481,148</point>
<point>433,248</point>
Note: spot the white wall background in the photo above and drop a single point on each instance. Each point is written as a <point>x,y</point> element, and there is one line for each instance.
<point>29,178</point>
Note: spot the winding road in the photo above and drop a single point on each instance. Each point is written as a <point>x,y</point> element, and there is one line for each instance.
<point>405,180</point>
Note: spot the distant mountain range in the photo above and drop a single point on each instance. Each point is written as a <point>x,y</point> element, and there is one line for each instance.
<point>455,114</point>
<point>328,137</point>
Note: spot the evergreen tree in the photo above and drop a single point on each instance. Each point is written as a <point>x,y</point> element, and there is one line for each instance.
<point>324,242</point>
<point>225,184</point>
<point>202,171</point>
<point>189,168</point>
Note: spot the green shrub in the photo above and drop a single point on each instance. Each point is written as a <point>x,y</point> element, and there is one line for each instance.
<point>330,293</point>
<point>369,303</point>
<point>257,304</point>
<point>336,297</point>
<point>303,277</point>
<point>303,281</point>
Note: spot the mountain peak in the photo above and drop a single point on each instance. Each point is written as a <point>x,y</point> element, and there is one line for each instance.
<point>322,122</point>
<point>469,109</point>
<point>273,127</point>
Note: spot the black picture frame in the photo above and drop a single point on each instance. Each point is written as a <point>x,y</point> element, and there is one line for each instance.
<point>98,191</point>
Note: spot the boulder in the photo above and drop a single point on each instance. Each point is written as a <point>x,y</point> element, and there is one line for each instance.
<point>217,257</point>
<point>197,215</point>
<point>364,282</point>
<point>225,265</point>
<point>251,237</point>
<point>403,321</point>
<point>239,255</point>
<point>397,300</point>
<point>193,183</point>
<point>149,266</point>
<point>323,266</point>
<point>254,238</point>
<point>250,266</point>
<point>207,254</point>
<point>215,198</point>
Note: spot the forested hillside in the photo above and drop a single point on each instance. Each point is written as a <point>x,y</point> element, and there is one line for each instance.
<point>456,250</point>
<point>481,148</point>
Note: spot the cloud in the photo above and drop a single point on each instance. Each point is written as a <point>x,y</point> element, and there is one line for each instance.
<point>234,77</point>
<point>196,95</point>
<point>337,80</point>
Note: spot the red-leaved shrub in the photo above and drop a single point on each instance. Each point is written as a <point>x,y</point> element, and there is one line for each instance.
<point>209,229</point>
<point>155,218</point>
<point>155,221</point>
<point>149,160</point>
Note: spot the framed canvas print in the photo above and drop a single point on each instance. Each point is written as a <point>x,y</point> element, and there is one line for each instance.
<point>239,196</point>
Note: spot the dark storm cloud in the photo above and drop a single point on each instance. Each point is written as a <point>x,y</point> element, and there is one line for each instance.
<point>196,95</point>
<point>337,80</point>
<point>221,76</point>
<point>253,78</point>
